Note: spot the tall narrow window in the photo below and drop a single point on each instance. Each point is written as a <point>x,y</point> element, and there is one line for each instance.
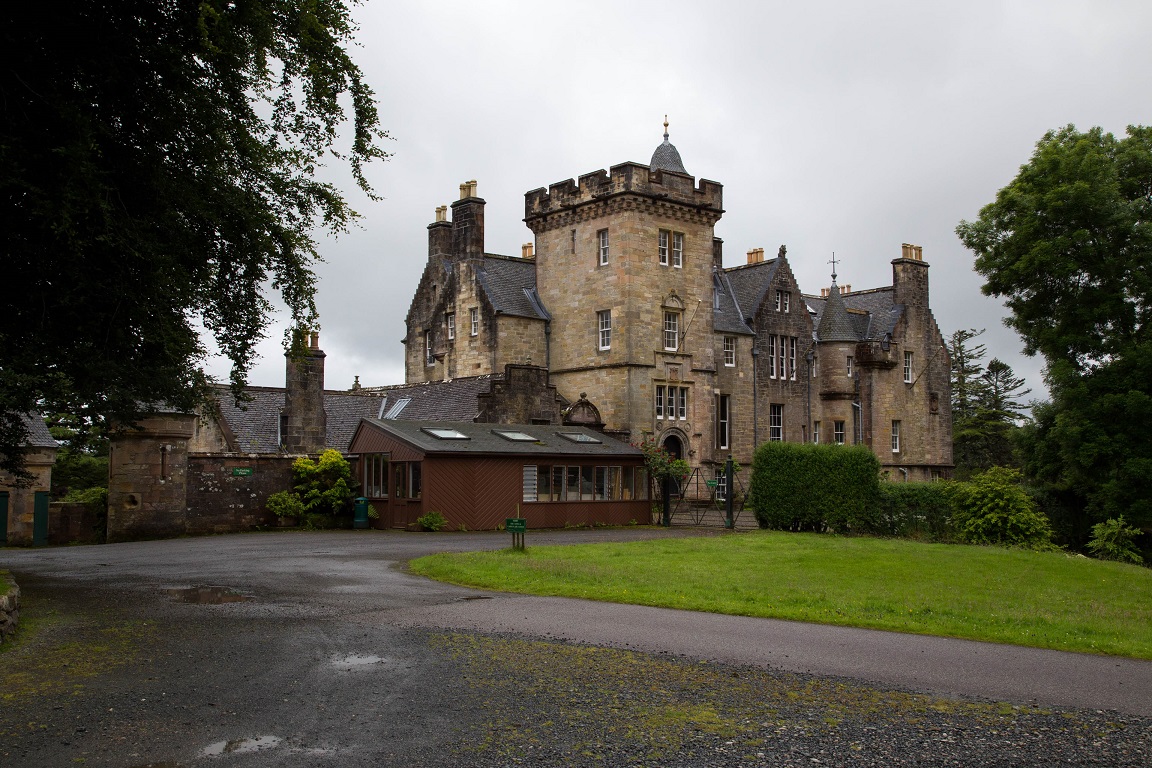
<point>677,249</point>
<point>787,301</point>
<point>530,483</point>
<point>782,353</point>
<point>815,431</point>
<point>771,356</point>
<point>730,351</point>
<point>848,364</point>
<point>723,420</point>
<point>895,437</point>
<point>838,432</point>
<point>671,331</point>
<point>604,325</point>
<point>682,404</point>
<point>907,367</point>
<point>428,360</point>
<point>659,401</point>
<point>662,249</point>
<point>450,323</point>
<point>792,357</point>
<point>475,321</point>
<point>573,241</point>
<point>776,422</point>
<point>603,237</point>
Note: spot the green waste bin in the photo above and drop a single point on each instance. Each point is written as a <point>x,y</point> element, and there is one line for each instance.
<point>360,519</point>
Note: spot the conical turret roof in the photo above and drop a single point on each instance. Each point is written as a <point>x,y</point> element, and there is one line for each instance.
<point>835,324</point>
<point>666,157</point>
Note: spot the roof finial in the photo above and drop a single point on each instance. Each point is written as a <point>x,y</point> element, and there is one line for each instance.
<point>833,263</point>
<point>665,127</point>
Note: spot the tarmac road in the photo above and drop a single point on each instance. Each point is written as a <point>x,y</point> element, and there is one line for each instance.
<point>337,656</point>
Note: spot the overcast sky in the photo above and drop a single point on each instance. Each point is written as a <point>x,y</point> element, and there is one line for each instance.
<point>846,127</point>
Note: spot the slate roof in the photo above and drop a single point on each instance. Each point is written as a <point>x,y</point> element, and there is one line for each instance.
<point>453,400</point>
<point>256,424</point>
<point>727,316</point>
<point>510,284</point>
<point>749,283</point>
<point>667,158</point>
<point>38,434</point>
<point>482,439</point>
<point>871,313</point>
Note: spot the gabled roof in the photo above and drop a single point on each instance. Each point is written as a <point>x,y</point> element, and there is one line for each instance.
<point>750,283</point>
<point>510,284</point>
<point>727,314</point>
<point>38,434</point>
<point>483,439</point>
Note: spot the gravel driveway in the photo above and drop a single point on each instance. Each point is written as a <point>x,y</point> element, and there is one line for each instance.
<point>318,649</point>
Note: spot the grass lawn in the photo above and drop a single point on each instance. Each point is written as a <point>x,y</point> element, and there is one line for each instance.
<point>1046,600</point>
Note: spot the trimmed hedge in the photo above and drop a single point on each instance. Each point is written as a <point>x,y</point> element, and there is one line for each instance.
<point>803,487</point>
<point>916,511</point>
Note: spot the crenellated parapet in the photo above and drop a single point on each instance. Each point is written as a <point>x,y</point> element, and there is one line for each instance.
<point>561,202</point>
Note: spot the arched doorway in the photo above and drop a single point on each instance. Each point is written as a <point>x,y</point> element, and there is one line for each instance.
<point>674,447</point>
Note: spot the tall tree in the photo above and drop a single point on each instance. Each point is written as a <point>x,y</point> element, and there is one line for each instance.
<point>157,163</point>
<point>1068,243</point>
<point>1001,391</point>
<point>966,372</point>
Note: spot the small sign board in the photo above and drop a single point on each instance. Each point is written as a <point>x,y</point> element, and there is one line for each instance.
<point>242,471</point>
<point>515,524</point>
<point>710,483</point>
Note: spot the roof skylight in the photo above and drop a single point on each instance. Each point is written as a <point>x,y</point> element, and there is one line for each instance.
<point>441,433</point>
<point>579,437</point>
<point>516,437</point>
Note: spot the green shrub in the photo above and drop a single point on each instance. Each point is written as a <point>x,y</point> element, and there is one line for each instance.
<point>993,508</point>
<point>323,485</point>
<point>432,521</point>
<point>1115,540</point>
<point>916,511</point>
<point>318,521</point>
<point>801,487</point>
<point>285,504</point>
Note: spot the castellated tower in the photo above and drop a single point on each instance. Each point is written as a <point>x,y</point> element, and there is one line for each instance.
<point>625,267</point>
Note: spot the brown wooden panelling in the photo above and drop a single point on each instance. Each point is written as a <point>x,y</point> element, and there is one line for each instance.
<point>368,439</point>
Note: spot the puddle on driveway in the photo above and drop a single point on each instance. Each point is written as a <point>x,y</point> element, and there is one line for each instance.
<point>206,595</point>
<point>475,597</point>
<point>240,746</point>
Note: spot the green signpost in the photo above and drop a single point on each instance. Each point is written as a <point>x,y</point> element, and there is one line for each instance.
<point>242,471</point>
<point>517,526</point>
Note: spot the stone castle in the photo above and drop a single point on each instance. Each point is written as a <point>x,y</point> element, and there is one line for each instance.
<point>624,299</point>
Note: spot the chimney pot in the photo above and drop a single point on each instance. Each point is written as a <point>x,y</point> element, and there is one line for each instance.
<point>527,251</point>
<point>314,340</point>
<point>441,213</point>
<point>823,293</point>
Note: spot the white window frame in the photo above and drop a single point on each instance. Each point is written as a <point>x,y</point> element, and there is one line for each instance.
<point>428,359</point>
<point>895,436</point>
<point>792,357</point>
<point>776,422</point>
<point>602,238</point>
<point>723,420</point>
<point>782,352</point>
<point>729,351</point>
<point>660,401</point>
<point>604,328</point>
<point>787,301</point>
<point>815,432</point>
<point>671,330</point>
<point>450,323</point>
<point>848,364</point>
<point>682,404</point>
<point>475,321</point>
<point>907,367</point>
<point>771,355</point>
<point>662,246</point>
<point>677,250</point>
<point>838,433</point>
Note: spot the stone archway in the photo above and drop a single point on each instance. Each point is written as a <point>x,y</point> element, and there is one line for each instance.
<point>674,445</point>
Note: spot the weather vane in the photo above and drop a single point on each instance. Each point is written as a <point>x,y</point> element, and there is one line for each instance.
<point>833,263</point>
<point>665,126</point>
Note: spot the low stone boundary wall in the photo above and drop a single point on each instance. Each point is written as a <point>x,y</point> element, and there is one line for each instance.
<point>9,609</point>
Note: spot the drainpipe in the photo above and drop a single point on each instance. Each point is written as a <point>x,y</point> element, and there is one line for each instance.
<point>755,393</point>
<point>810,356</point>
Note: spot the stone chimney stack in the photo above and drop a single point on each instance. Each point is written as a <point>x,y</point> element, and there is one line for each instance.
<point>303,423</point>
<point>910,280</point>
<point>468,222</point>
<point>440,233</point>
<point>756,255</point>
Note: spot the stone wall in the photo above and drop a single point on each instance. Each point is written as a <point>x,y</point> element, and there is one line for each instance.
<point>75,523</point>
<point>147,478</point>
<point>224,498</point>
<point>22,498</point>
<point>9,608</point>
